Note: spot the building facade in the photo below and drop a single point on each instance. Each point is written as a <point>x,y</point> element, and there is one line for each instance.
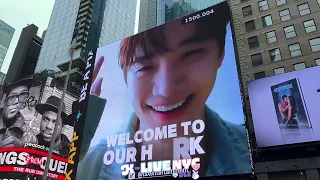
<point>274,37</point>
<point>119,20</point>
<point>25,55</point>
<point>146,15</point>
<point>6,34</point>
<point>58,35</point>
<point>2,77</point>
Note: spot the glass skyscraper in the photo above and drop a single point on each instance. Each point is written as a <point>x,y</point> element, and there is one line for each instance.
<point>101,22</point>
<point>119,20</point>
<point>6,34</point>
<point>54,50</point>
<point>168,10</point>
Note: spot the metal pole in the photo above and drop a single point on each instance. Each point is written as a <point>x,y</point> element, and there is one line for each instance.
<point>44,177</point>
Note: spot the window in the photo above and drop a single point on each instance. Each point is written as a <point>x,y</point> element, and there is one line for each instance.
<point>281,2</point>
<point>285,15</point>
<point>256,59</point>
<point>247,11</point>
<point>259,75</point>
<point>290,32</point>
<point>315,44</point>
<point>253,42</point>
<point>318,62</point>
<point>304,9</point>
<point>299,66</point>
<point>263,5</point>
<point>295,50</point>
<point>267,21</point>
<point>310,26</point>
<point>271,37</point>
<point>250,26</point>
<point>275,54</point>
<point>279,71</point>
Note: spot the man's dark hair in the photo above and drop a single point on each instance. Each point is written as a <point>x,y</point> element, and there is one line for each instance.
<point>213,27</point>
<point>284,96</point>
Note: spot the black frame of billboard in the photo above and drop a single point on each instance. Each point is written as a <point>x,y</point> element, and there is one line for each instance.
<point>251,135</point>
<point>83,106</point>
<point>280,152</point>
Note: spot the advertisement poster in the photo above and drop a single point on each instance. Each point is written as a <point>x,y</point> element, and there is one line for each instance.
<point>28,115</point>
<point>289,105</point>
<point>285,108</point>
<point>163,103</point>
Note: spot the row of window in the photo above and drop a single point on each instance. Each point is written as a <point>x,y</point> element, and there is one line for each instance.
<point>282,70</point>
<point>267,20</point>
<point>289,31</point>
<point>295,50</point>
<point>263,6</point>
<point>304,9</point>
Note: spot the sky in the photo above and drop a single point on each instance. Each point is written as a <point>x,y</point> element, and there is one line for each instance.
<point>18,14</point>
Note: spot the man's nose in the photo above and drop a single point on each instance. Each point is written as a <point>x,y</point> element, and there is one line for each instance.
<point>50,125</point>
<point>167,81</point>
<point>16,101</point>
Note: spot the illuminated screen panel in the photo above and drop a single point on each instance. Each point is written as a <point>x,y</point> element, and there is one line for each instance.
<point>29,109</point>
<point>285,108</point>
<point>163,103</point>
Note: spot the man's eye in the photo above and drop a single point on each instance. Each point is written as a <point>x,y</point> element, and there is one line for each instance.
<point>145,68</point>
<point>192,52</point>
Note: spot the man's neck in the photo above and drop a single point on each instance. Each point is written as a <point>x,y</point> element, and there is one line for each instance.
<point>9,122</point>
<point>47,143</point>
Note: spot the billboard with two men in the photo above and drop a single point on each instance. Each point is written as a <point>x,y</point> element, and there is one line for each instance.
<point>285,108</point>
<point>29,110</point>
<point>163,103</point>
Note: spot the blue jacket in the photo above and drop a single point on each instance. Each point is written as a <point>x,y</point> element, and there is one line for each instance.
<point>229,148</point>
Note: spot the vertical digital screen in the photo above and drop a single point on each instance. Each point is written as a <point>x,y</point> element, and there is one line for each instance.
<point>163,103</point>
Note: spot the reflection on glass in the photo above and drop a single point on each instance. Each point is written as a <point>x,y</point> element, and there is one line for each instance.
<point>304,9</point>
<point>285,15</point>
<point>315,44</point>
<point>168,10</point>
<point>271,37</point>
<point>267,21</point>
<point>263,5</point>
<point>279,71</point>
<point>295,50</point>
<point>275,54</point>
<point>309,26</point>
<point>299,66</point>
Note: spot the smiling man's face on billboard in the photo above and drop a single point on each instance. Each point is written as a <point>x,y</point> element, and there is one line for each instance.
<point>168,84</point>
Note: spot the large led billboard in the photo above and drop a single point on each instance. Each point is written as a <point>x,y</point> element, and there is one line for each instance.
<point>28,114</point>
<point>285,108</point>
<point>163,103</point>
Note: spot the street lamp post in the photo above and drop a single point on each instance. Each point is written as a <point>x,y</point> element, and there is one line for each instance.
<point>46,170</point>
<point>72,49</point>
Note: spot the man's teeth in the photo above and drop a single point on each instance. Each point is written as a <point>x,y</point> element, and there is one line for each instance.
<point>168,108</point>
